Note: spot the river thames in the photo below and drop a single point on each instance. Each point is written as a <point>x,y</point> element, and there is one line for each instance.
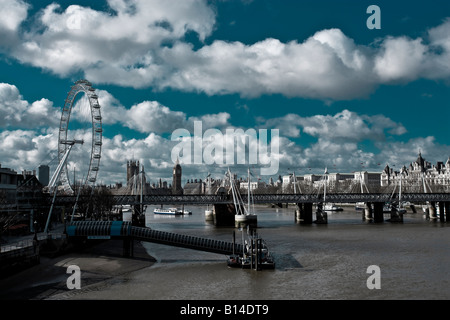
<point>312,262</point>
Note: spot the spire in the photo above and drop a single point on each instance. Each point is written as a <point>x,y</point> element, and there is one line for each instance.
<point>420,161</point>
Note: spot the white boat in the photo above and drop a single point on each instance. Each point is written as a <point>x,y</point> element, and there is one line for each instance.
<point>332,207</point>
<point>401,209</point>
<point>127,212</point>
<point>168,211</point>
<point>126,208</point>
<point>360,206</point>
<point>387,208</point>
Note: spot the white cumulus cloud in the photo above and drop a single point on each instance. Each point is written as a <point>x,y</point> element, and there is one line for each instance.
<point>143,43</point>
<point>16,112</point>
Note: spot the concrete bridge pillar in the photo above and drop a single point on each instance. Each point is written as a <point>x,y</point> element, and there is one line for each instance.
<point>367,213</point>
<point>432,208</point>
<point>305,213</point>
<point>378,212</point>
<point>321,215</point>
<point>442,212</point>
<point>447,209</point>
<point>299,212</point>
<point>223,215</point>
<point>396,216</point>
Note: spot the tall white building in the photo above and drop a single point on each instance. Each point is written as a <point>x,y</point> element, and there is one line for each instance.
<point>419,176</point>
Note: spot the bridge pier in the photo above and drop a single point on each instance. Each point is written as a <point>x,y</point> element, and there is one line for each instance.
<point>442,212</point>
<point>298,213</point>
<point>432,210</point>
<point>447,209</point>
<point>223,215</point>
<point>395,215</point>
<point>304,213</point>
<point>321,215</point>
<point>378,212</point>
<point>367,212</point>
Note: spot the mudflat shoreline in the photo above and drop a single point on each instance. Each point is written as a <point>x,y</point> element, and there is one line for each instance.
<point>100,264</point>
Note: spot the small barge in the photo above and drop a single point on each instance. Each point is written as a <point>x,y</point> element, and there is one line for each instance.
<point>255,255</point>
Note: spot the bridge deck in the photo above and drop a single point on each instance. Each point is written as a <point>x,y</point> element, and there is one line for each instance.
<point>202,199</point>
<point>185,241</point>
<point>123,229</point>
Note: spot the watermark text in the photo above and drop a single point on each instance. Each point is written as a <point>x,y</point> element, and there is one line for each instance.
<point>236,146</point>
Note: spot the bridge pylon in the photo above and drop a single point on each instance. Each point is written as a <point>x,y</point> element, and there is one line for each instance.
<point>378,215</point>
<point>304,213</point>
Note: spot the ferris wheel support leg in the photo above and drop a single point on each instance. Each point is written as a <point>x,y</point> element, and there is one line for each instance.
<point>75,205</point>
<point>50,214</point>
<point>56,174</point>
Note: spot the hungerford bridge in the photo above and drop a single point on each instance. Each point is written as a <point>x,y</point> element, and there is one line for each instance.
<point>374,202</point>
<point>129,231</point>
<point>203,199</point>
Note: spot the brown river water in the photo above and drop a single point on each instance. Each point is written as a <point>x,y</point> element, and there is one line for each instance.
<point>312,262</point>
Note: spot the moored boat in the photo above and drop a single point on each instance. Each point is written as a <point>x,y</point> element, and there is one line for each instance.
<point>168,211</point>
<point>332,207</point>
<point>255,253</point>
<point>360,206</point>
<point>387,208</point>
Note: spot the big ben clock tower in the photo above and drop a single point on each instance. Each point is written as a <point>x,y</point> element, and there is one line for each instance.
<point>176,183</point>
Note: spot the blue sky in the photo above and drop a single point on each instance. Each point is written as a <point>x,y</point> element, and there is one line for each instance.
<point>341,95</point>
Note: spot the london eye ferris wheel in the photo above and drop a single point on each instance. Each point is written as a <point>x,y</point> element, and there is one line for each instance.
<point>89,139</point>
